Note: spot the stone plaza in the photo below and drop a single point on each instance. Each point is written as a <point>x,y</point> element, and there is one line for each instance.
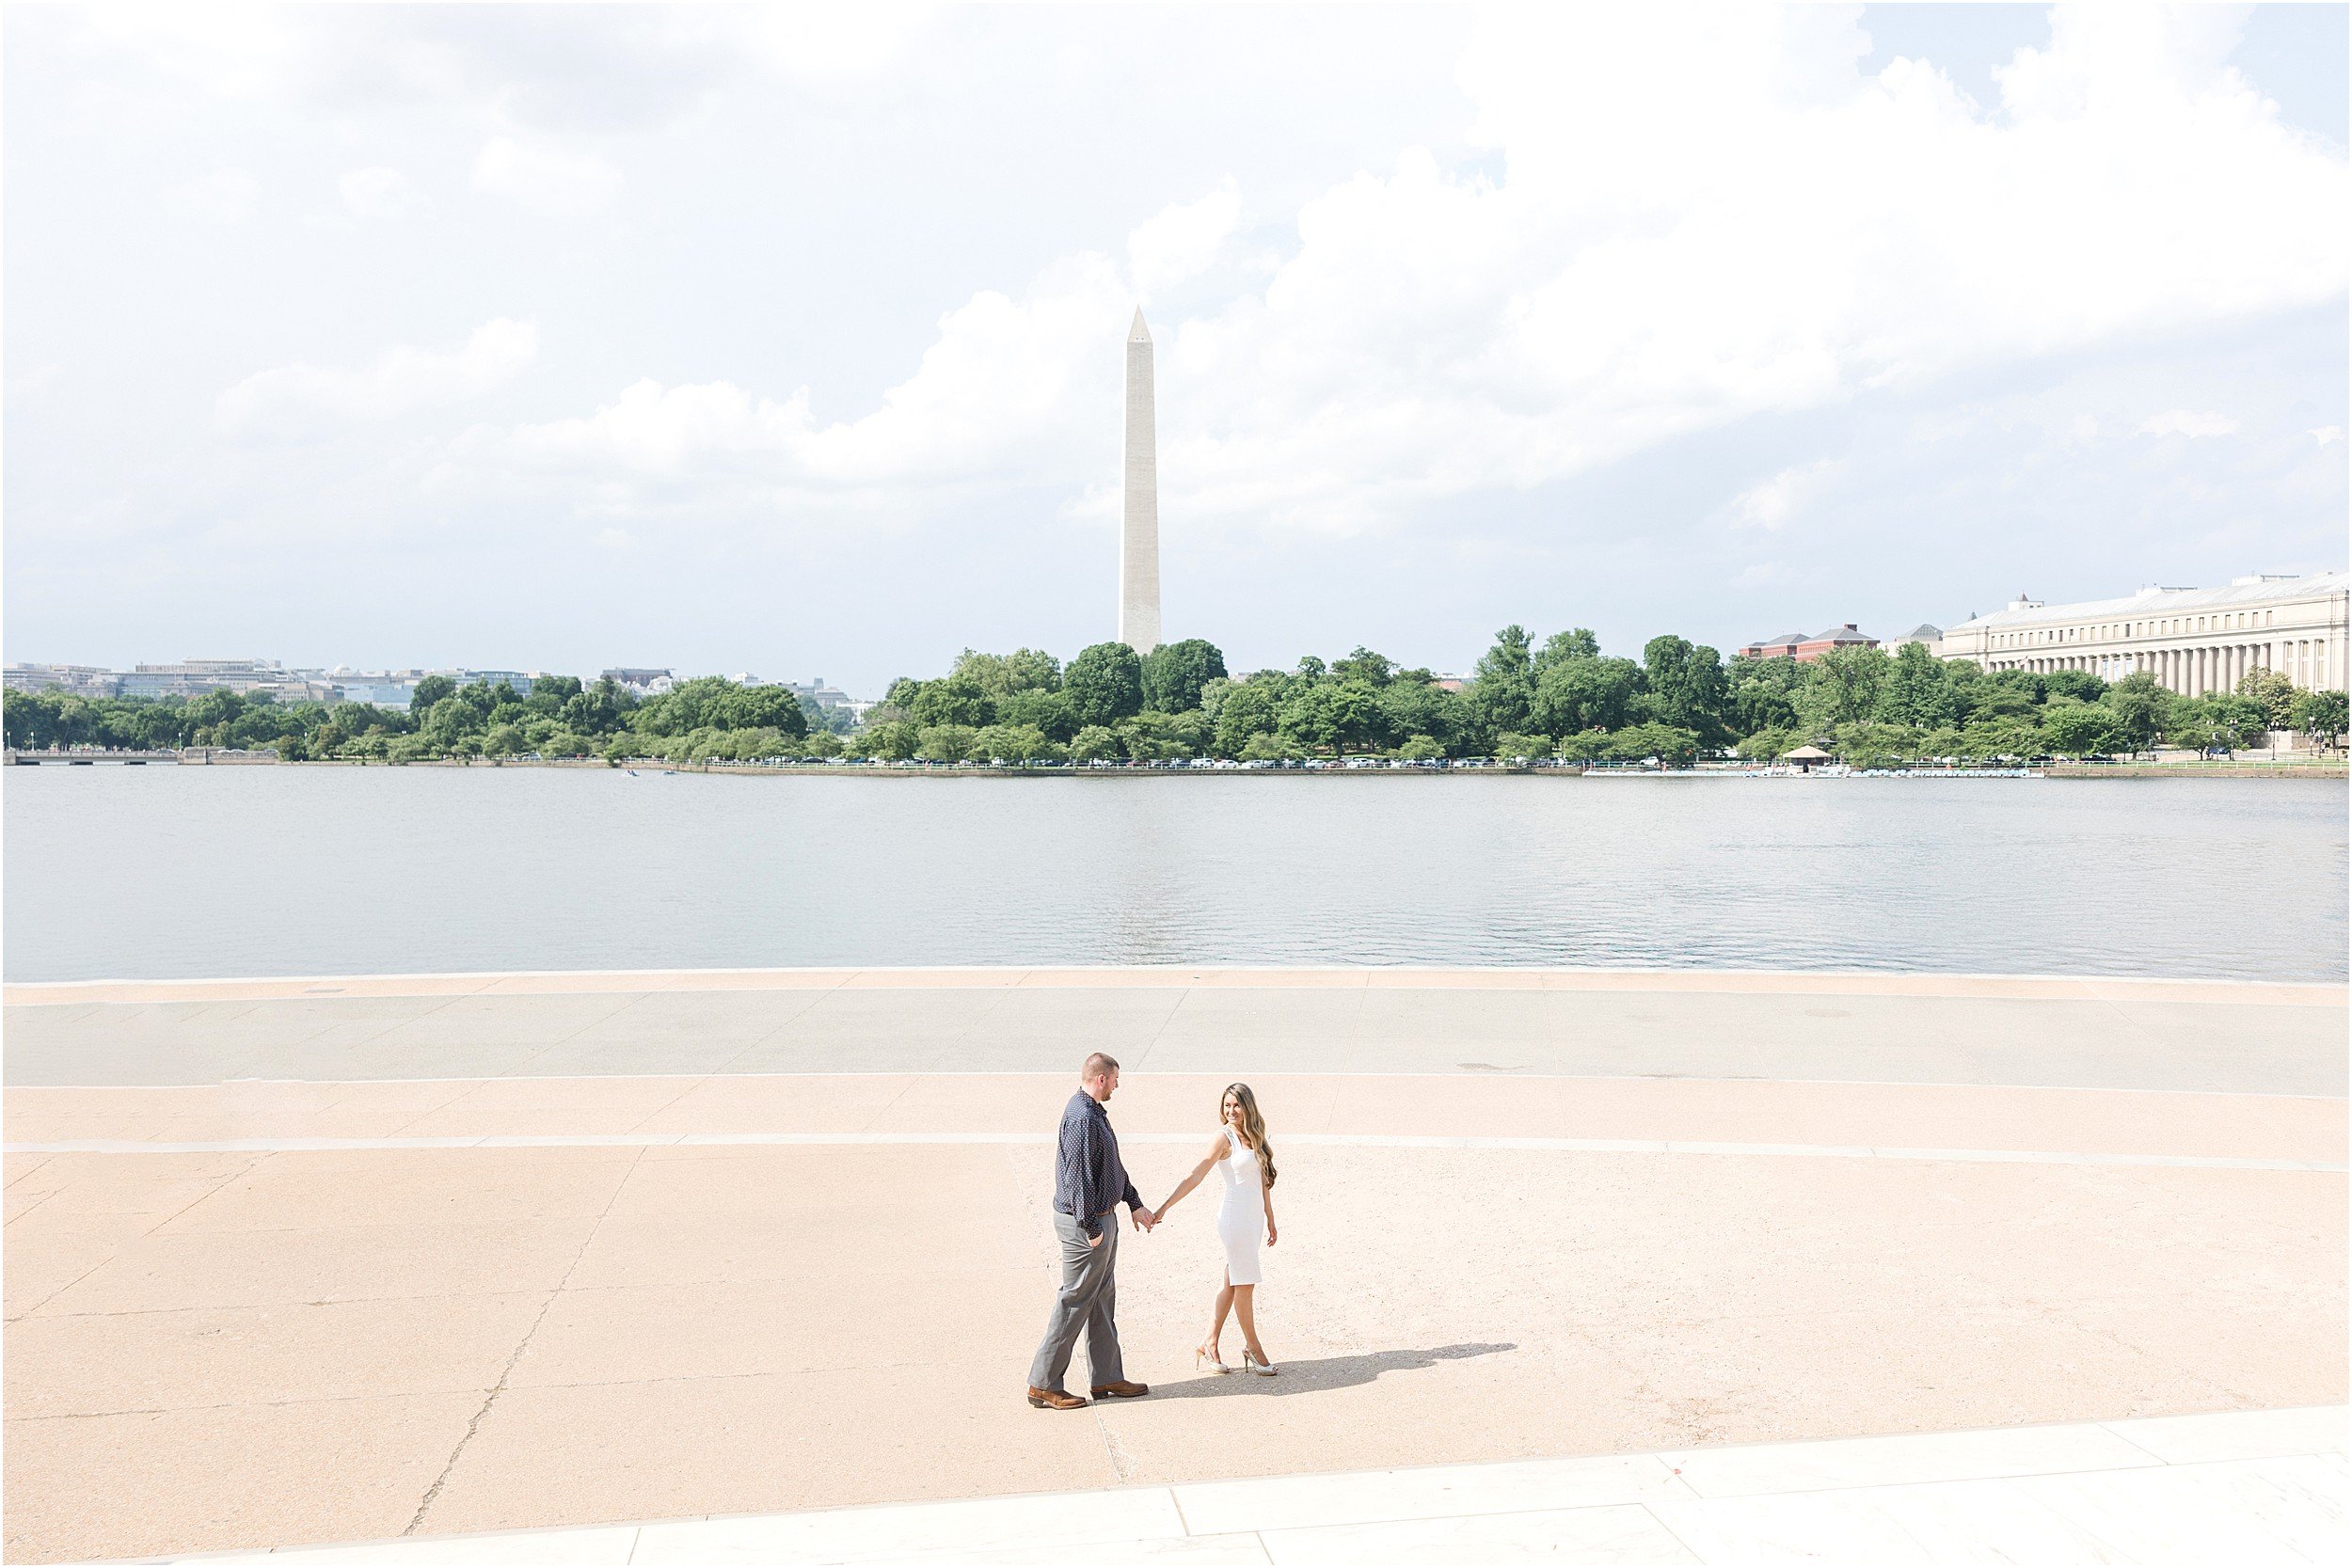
<point>405,1259</point>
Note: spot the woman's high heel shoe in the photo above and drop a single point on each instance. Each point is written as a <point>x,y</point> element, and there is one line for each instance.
<point>1249,1363</point>
<point>1204,1359</point>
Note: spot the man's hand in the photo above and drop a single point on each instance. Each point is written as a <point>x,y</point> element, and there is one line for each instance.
<point>1096,1240</point>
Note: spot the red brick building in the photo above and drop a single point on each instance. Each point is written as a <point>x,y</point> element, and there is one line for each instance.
<point>1803,649</point>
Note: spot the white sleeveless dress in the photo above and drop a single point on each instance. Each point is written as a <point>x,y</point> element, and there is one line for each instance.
<point>1241,1217</point>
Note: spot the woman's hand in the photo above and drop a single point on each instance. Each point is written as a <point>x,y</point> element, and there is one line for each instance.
<point>1269,1234</point>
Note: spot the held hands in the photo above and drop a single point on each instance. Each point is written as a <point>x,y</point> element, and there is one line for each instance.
<point>1144,1218</point>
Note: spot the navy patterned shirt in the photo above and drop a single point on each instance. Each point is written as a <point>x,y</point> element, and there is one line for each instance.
<point>1088,1179</point>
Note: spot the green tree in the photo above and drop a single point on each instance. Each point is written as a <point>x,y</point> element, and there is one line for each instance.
<point>1420,748</point>
<point>2138,704</point>
<point>946,742</point>
<point>1175,672</point>
<point>1373,670</point>
<point>1522,748</point>
<point>1095,743</point>
<point>1576,643</point>
<point>960,699</point>
<point>1842,687</point>
<point>1503,689</point>
<point>1105,684</point>
<point>2320,717</point>
<point>1272,747</point>
<point>893,741</point>
<point>1686,687</point>
<point>2080,684</point>
<point>1584,692</point>
<point>1769,745</point>
<point>1412,703</point>
<point>599,710</point>
<point>430,690</point>
<point>1245,710</point>
<point>1048,712</point>
<point>1918,691</point>
<point>2076,729</point>
<point>1000,675</point>
<point>549,694</point>
<point>1013,743</point>
<point>1151,735</point>
<point>1871,744</point>
<point>1762,694</point>
<point>2274,692</point>
<point>1668,743</point>
<point>503,741</point>
<point>2237,722</point>
<point>2000,740</point>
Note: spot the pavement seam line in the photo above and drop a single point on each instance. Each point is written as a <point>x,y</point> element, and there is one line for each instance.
<point>1743,1079</point>
<point>140,1236</point>
<point>433,1492</point>
<point>266,1147</point>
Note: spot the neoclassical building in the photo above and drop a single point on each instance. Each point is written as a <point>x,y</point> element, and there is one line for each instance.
<point>2192,640</point>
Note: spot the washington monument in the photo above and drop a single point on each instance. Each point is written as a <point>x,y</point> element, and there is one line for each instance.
<point>1139,519</point>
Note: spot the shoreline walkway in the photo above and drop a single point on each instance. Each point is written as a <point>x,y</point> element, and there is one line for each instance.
<point>2245,1487</point>
<point>2197,1035</point>
<point>408,1258</point>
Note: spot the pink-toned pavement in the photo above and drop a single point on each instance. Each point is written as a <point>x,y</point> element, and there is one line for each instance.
<point>235,1337</point>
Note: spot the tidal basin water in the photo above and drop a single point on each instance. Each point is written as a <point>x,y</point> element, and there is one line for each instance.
<point>175,872</point>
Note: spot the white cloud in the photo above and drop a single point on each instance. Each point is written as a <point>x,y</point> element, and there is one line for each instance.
<point>993,395</point>
<point>1775,501</point>
<point>224,196</point>
<point>2182,422</point>
<point>543,177</point>
<point>2328,435</point>
<point>1181,241</point>
<point>1754,228</point>
<point>376,193</point>
<point>816,41</point>
<point>291,399</point>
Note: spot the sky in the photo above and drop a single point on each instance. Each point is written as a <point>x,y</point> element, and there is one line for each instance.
<point>788,341</point>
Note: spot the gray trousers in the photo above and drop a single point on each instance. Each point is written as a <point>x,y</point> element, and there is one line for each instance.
<point>1086,1301</point>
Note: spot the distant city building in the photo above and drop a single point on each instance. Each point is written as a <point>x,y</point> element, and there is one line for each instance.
<point>387,691</point>
<point>196,677</point>
<point>517,681</point>
<point>75,680</point>
<point>645,683</point>
<point>1804,649</point>
<point>2192,640</point>
<point>829,697</point>
<point>1925,635</point>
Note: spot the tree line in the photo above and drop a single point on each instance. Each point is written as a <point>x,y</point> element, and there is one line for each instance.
<point>560,717</point>
<point>1561,698</point>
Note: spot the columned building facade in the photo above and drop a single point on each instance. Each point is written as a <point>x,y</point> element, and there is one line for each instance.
<point>2192,640</point>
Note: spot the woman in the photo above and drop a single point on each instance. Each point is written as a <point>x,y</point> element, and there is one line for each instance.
<point>1240,1154</point>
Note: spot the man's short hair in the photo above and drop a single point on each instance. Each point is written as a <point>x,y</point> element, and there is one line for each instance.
<point>1097,1065</point>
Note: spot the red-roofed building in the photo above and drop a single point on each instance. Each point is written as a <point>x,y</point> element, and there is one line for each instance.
<point>1803,649</point>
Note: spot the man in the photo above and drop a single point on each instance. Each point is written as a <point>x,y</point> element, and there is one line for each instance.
<point>1089,1184</point>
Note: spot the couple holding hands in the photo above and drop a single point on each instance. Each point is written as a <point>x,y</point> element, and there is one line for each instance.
<point>1089,1184</point>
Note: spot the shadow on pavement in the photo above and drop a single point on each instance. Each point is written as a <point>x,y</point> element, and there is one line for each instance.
<point>1329,1371</point>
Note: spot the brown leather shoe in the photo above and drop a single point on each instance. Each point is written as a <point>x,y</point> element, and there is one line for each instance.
<point>1123,1390</point>
<point>1055,1399</point>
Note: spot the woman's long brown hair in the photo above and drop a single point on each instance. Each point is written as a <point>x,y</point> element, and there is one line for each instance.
<point>1252,1126</point>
